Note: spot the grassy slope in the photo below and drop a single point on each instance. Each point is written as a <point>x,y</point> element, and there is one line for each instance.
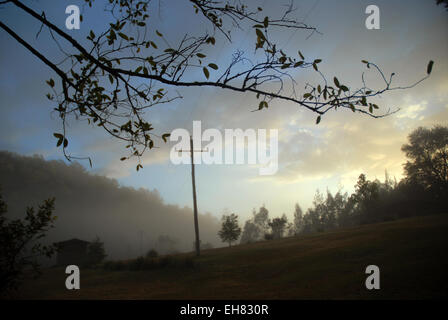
<point>411,254</point>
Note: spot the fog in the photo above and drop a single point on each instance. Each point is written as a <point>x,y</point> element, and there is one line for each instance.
<point>127,220</point>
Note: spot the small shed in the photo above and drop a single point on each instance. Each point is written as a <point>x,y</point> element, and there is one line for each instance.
<point>72,251</point>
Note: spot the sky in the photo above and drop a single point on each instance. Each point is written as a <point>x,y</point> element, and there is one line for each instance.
<point>329,155</point>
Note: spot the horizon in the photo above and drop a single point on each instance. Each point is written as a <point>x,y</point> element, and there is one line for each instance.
<point>330,155</point>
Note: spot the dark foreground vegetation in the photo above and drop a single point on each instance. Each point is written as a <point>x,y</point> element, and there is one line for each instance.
<point>411,254</point>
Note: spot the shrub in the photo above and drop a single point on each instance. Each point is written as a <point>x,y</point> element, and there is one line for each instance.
<point>142,263</point>
<point>268,236</point>
<point>137,264</point>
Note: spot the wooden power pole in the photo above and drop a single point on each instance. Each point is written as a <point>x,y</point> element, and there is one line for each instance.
<point>195,204</point>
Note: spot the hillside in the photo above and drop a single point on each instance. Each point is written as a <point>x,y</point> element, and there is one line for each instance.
<point>86,203</point>
<point>411,254</point>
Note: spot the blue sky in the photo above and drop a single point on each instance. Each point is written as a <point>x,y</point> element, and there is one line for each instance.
<point>331,154</point>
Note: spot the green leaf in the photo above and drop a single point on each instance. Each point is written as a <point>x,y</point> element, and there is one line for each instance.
<point>266,22</point>
<point>318,61</point>
<point>60,138</point>
<point>158,33</point>
<point>429,68</point>
<point>50,82</point>
<point>263,104</point>
<point>318,120</point>
<point>213,66</point>
<point>121,34</point>
<point>336,82</point>
<point>298,64</point>
<point>200,55</point>
<point>206,73</point>
<point>365,61</point>
<point>122,159</point>
<point>301,55</point>
<point>111,79</point>
<point>344,88</point>
<point>260,34</point>
<point>364,101</point>
<point>165,136</point>
<point>211,40</point>
<point>153,45</point>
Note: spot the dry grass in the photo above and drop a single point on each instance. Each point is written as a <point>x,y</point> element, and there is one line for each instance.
<point>411,254</point>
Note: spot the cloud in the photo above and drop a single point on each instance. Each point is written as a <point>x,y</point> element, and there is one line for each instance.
<point>413,111</point>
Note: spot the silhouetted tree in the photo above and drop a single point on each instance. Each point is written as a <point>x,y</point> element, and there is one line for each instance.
<point>251,232</point>
<point>298,219</point>
<point>19,243</point>
<point>427,164</point>
<point>230,230</point>
<point>261,220</point>
<point>278,226</point>
<point>366,198</point>
<point>95,252</point>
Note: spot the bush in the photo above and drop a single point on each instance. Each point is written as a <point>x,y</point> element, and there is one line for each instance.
<point>142,263</point>
<point>268,236</point>
<point>137,264</point>
<point>95,252</point>
<point>20,245</point>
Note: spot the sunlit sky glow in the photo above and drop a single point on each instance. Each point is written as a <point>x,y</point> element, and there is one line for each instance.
<point>331,154</point>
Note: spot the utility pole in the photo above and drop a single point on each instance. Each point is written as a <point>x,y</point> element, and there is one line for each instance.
<point>195,205</point>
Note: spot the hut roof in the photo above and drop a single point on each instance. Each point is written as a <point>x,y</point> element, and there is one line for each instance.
<point>73,241</point>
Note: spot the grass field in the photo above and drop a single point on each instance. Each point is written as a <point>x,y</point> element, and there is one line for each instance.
<point>411,254</point>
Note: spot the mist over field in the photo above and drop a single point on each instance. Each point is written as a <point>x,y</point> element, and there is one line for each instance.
<point>129,221</point>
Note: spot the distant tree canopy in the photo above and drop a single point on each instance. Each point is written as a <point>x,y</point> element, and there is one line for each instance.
<point>129,66</point>
<point>230,230</point>
<point>427,166</point>
<point>95,252</point>
<point>298,220</point>
<point>278,227</point>
<point>423,191</point>
<point>256,227</point>
<point>20,243</point>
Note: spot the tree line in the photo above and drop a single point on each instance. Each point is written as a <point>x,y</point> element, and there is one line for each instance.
<point>422,191</point>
